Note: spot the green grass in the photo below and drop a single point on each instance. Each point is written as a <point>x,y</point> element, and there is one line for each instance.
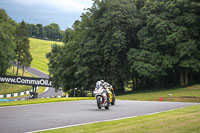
<point>184,120</point>
<point>42,100</point>
<point>38,49</point>
<point>187,94</point>
<point>12,88</point>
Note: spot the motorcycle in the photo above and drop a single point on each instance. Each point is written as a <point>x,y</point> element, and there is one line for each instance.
<point>102,98</point>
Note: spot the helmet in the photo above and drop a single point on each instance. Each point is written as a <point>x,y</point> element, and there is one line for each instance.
<point>102,81</point>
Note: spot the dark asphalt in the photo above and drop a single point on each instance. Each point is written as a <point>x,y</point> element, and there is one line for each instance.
<point>51,91</point>
<point>37,73</point>
<point>28,118</point>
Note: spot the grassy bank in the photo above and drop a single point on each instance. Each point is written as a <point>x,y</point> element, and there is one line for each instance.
<point>12,88</point>
<point>184,120</point>
<point>38,49</point>
<point>42,100</point>
<point>186,94</point>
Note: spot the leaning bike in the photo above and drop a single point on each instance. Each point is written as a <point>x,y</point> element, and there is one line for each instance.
<point>102,98</point>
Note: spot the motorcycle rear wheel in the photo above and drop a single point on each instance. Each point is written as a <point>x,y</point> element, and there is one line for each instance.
<point>107,106</point>
<point>108,103</point>
<point>113,100</point>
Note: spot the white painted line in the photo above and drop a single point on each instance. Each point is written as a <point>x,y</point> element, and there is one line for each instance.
<point>47,88</point>
<point>102,121</point>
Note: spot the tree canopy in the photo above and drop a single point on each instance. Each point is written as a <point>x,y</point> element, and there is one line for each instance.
<point>14,43</point>
<point>48,32</point>
<point>149,42</point>
<point>168,40</point>
<point>7,45</point>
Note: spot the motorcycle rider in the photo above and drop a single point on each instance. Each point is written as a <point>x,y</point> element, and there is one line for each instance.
<point>106,86</point>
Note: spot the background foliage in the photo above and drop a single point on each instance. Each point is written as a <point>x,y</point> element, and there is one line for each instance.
<point>152,43</point>
<point>137,43</point>
<point>7,45</point>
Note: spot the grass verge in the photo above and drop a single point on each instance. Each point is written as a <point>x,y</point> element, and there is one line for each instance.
<point>185,120</point>
<point>42,100</point>
<point>186,94</point>
<point>6,88</point>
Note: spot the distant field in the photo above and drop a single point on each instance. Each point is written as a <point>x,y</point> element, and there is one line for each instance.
<point>38,49</point>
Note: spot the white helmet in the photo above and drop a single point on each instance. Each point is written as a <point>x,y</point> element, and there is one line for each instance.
<point>102,81</point>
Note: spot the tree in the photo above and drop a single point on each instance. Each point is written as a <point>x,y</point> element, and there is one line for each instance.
<point>100,42</point>
<point>53,65</point>
<point>33,30</point>
<point>23,56</point>
<point>110,37</point>
<point>67,35</point>
<point>7,45</point>
<point>53,32</point>
<point>41,31</point>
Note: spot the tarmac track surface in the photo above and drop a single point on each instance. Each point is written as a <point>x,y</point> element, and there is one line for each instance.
<point>19,119</point>
<point>51,91</point>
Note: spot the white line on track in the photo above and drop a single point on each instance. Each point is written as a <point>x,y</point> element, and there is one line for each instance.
<point>101,121</point>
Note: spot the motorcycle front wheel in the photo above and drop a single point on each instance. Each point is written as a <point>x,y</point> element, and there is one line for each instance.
<point>99,104</point>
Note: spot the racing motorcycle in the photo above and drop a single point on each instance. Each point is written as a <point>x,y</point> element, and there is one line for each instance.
<point>102,98</point>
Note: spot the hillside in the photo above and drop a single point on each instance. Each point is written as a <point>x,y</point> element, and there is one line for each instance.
<point>38,49</point>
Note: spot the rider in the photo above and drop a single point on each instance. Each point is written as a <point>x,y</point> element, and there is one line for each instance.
<point>106,86</point>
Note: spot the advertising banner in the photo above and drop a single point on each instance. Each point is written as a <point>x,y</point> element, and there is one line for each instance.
<point>25,80</point>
